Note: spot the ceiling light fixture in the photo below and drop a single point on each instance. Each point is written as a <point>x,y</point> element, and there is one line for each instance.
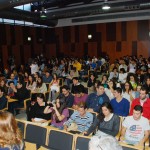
<point>106,5</point>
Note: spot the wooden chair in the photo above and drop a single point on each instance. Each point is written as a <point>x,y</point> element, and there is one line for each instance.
<point>130,147</point>
<point>120,128</point>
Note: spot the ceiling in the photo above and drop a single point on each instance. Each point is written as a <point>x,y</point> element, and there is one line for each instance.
<point>74,11</point>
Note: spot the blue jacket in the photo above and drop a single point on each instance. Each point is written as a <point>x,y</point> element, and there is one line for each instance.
<point>95,101</point>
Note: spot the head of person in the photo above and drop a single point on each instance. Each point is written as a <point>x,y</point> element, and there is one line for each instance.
<point>2,83</point>
<point>39,81</point>
<point>92,76</point>
<point>47,73</point>
<point>1,92</point>
<point>117,92</point>
<point>19,85</point>
<point>82,108</point>
<point>122,70</point>
<point>100,89</point>
<point>104,78</point>
<point>79,92</point>
<point>40,98</point>
<point>75,80</point>
<point>115,69</point>
<point>127,86</point>
<point>104,143</point>
<point>55,76</point>
<point>148,81</point>
<point>138,88</point>
<point>65,90</point>
<point>10,133</point>
<point>31,78</point>
<point>11,84</point>
<point>143,93</point>
<point>106,109</point>
<point>111,84</point>
<point>137,112</point>
<point>12,76</point>
<point>36,75</point>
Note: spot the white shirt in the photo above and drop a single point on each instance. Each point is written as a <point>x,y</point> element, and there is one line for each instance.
<point>135,128</point>
<point>34,68</point>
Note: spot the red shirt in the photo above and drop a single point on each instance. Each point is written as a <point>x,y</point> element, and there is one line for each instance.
<point>146,107</point>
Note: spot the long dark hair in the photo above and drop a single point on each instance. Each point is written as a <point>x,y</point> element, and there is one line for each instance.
<point>39,84</point>
<point>101,116</point>
<point>130,87</point>
<point>61,108</point>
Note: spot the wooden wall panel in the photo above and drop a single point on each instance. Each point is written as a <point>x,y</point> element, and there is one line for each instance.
<point>132,31</point>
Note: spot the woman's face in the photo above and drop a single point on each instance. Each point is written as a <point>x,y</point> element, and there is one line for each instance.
<point>104,78</point>
<point>2,83</point>
<point>148,81</point>
<point>126,85</point>
<point>105,111</point>
<point>39,80</point>
<point>138,88</point>
<point>57,103</point>
<point>39,100</point>
<point>110,83</point>
<point>92,77</point>
<point>54,76</point>
<point>131,78</point>
<point>30,78</point>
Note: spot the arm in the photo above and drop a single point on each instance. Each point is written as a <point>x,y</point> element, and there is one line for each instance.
<point>60,116</point>
<point>146,135</point>
<point>123,131</point>
<point>93,127</point>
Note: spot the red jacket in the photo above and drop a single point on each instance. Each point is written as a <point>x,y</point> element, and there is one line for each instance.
<point>146,107</point>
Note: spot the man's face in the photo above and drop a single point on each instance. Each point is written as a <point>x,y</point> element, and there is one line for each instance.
<point>65,92</point>
<point>12,85</point>
<point>100,90</point>
<point>75,81</point>
<point>81,111</point>
<point>142,95</point>
<point>136,115</point>
<point>47,74</point>
<point>116,94</point>
<point>12,76</point>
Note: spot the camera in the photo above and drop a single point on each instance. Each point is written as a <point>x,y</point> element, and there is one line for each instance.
<point>51,105</point>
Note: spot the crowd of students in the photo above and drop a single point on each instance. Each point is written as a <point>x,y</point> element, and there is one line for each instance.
<point>122,90</point>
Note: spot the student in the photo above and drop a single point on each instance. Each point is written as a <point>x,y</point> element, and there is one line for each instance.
<point>10,135</point>
<point>135,128</point>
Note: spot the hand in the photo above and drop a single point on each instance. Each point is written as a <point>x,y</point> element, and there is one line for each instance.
<point>32,120</point>
<point>65,128</point>
<point>54,107</point>
<point>141,143</point>
<point>121,138</point>
<point>84,133</point>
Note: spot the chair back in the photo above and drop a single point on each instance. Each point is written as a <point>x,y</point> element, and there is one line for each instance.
<point>36,134</point>
<point>82,142</point>
<point>60,140</point>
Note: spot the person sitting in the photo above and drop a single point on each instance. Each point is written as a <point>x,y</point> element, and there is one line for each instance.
<point>104,143</point>
<point>54,87</point>
<point>80,96</point>
<point>11,136</point>
<point>143,101</point>
<point>95,100</point>
<point>40,86</point>
<point>81,118</point>
<point>120,105</point>
<point>107,122</point>
<point>36,113</point>
<point>76,85</point>
<point>31,83</point>
<point>135,128</point>
<point>69,98</point>
<point>90,84</point>
<point>3,99</point>
<point>47,78</point>
<point>59,113</point>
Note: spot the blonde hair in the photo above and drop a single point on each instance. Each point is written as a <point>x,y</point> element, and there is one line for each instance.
<point>10,135</point>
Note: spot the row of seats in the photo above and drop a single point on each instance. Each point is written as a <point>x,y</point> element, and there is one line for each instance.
<point>37,137</point>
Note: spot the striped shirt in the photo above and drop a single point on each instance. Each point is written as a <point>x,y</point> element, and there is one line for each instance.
<point>83,123</point>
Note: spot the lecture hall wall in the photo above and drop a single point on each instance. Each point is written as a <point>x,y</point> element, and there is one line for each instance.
<point>115,39</point>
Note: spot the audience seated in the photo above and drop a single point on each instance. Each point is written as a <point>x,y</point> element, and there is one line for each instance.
<point>81,118</point>
<point>135,128</point>
<point>120,105</point>
<point>107,122</point>
<point>10,136</point>
<point>59,113</point>
<point>95,100</point>
<point>3,99</point>
<point>144,102</point>
<point>69,98</point>
<point>36,113</point>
